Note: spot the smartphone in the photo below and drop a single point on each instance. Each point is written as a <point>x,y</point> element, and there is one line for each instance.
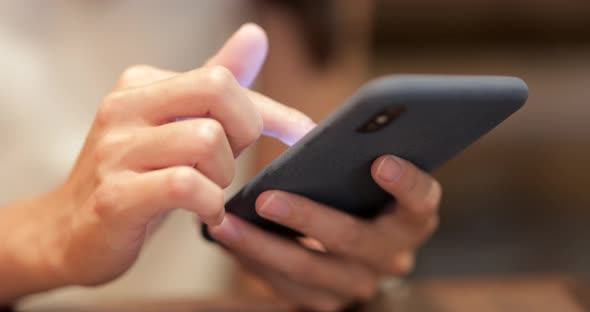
<point>421,118</point>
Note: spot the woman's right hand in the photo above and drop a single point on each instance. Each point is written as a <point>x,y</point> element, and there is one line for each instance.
<point>138,163</point>
<point>160,141</point>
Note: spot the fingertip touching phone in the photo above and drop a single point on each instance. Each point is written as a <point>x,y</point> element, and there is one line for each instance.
<point>425,119</point>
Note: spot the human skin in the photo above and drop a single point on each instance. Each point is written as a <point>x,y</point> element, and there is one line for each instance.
<point>143,157</point>
<point>163,140</point>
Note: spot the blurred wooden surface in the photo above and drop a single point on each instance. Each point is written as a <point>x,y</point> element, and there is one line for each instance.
<point>533,293</point>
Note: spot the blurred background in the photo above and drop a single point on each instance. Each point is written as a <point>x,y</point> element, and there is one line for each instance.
<point>518,200</point>
<point>515,202</point>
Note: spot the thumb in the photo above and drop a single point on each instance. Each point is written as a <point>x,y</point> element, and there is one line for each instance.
<point>243,53</point>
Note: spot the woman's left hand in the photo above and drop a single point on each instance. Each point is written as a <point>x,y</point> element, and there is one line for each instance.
<point>342,259</point>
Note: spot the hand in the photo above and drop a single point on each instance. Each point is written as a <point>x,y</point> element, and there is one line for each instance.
<point>342,258</point>
<point>160,141</point>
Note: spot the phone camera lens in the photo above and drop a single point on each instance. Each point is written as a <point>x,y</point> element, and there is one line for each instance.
<point>382,119</point>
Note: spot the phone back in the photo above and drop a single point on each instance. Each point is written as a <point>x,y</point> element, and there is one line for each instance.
<point>438,116</point>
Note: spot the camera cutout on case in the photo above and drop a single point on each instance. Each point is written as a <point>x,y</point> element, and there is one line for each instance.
<point>382,119</point>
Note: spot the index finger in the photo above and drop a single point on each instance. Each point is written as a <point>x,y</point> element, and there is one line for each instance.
<point>206,92</point>
<point>244,54</point>
<point>279,121</point>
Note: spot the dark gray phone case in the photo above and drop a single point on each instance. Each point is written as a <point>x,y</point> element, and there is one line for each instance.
<point>441,116</point>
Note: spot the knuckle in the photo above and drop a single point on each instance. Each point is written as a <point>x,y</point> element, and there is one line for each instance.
<point>218,81</point>
<point>402,264</point>
<point>200,137</point>
<point>220,75</point>
<point>209,141</point>
<point>181,183</point>
<point>132,73</point>
<point>108,110</point>
<point>209,134</point>
<point>101,172</point>
<point>110,145</point>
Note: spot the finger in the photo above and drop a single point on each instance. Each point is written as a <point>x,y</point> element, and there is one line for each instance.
<point>417,193</point>
<point>243,53</point>
<point>280,121</point>
<point>295,262</point>
<point>297,294</point>
<point>200,143</point>
<point>206,92</point>
<point>141,75</point>
<point>409,234</point>
<point>133,201</point>
<point>338,232</point>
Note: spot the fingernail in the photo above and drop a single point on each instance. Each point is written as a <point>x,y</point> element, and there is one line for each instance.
<point>275,207</point>
<point>389,169</point>
<point>226,231</point>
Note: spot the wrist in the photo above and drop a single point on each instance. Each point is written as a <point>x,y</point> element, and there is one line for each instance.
<point>30,256</point>
<point>53,237</point>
